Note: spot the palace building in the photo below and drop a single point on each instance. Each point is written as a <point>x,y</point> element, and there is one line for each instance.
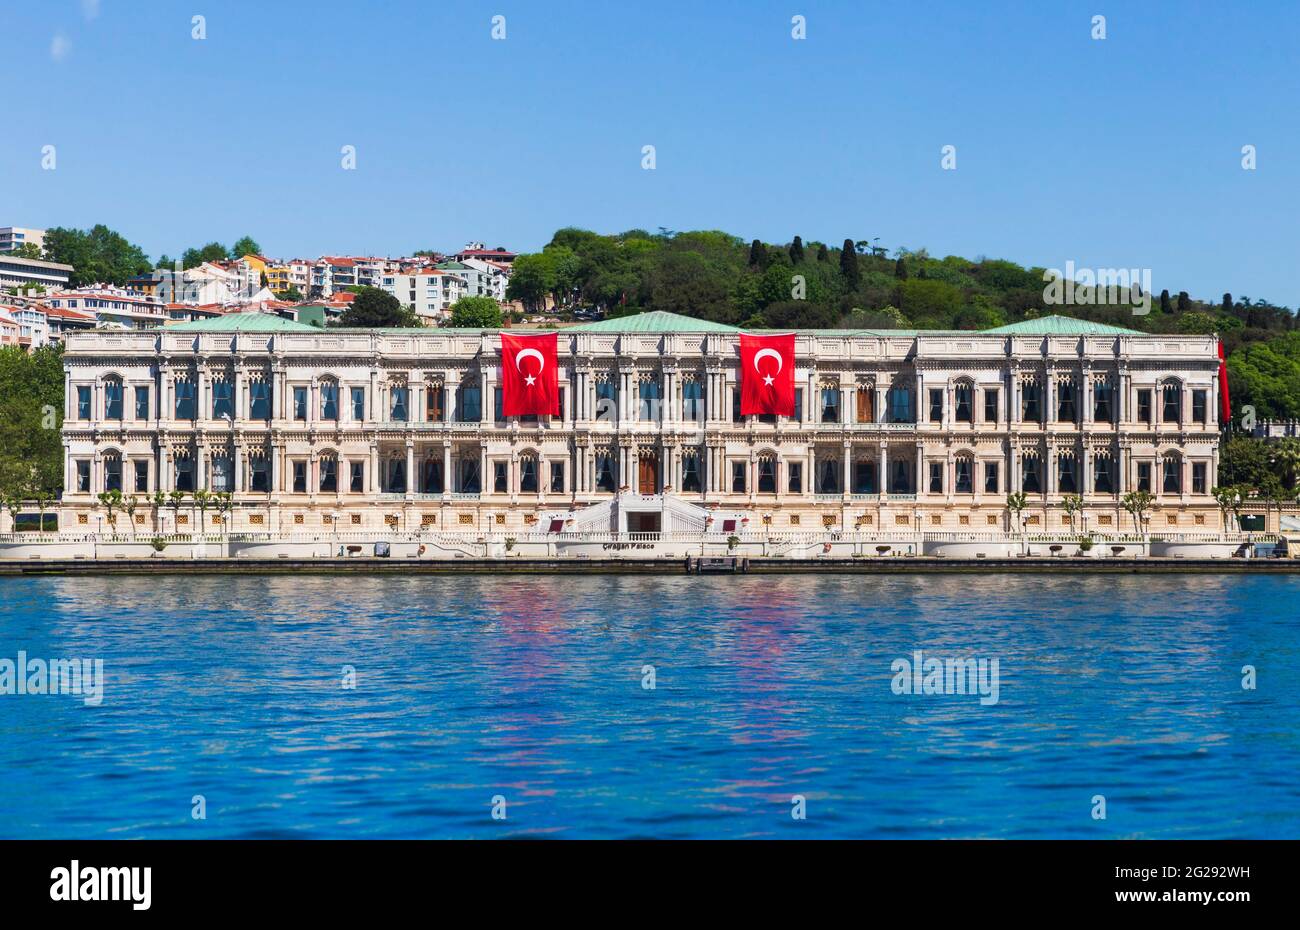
<point>317,430</point>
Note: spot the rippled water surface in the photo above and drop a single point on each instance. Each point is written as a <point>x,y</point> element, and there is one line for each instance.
<point>766,688</point>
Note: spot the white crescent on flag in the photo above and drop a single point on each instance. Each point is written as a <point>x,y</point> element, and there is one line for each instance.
<point>772,352</point>
<point>523,353</point>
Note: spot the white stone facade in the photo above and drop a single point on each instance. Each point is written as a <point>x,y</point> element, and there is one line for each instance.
<point>397,429</point>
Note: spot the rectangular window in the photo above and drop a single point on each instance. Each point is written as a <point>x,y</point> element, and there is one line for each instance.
<point>738,477</point>
<point>528,476</point>
<point>798,405</point>
<point>142,403</point>
<point>223,400</point>
<point>112,474</point>
<point>690,474</point>
<point>1031,402</point>
<point>300,403</point>
<point>498,411</point>
<point>557,477</point>
<point>830,405</point>
<point>329,400</point>
<point>357,477</point>
<point>1199,407</point>
<point>329,475</point>
<point>964,479</point>
<point>606,401</point>
<point>1101,480</point>
<point>184,400</point>
<point>433,403</point>
<point>735,406</point>
<point>1065,410</point>
<point>794,477</point>
<point>1144,476</point>
<point>936,405</point>
<point>936,477</point>
<point>259,475</point>
<point>1173,479</point>
<point>827,478</point>
<point>469,476</point>
<point>1065,475</point>
<point>1102,406</point>
<point>1198,477</point>
<point>83,475</point>
<point>184,474</point>
<point>1029,478</point>
<point>864,477</point>
<point>468,403</point>
<point>358,404</point>
<point>1171,409</point>
<point>500,483</point>
<point>766,476</point>
<point>605,478</point>
<point>300,477</point>
<point>648,393</point>
<point>221,473</point>
<point>990,477</point>
<point>900,405</point>
<point>83,402</point>
<point>259,400</point>
<point>141,476</point>
<point>1144,406</point>
<point>113,400</point>
<point>990,405</point>
<point>965,412</point>
<point>397,398</point>
<point>396,476</point>
<point>693,401</point>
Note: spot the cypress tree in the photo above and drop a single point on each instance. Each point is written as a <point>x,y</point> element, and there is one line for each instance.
<point>823,253</point>
<point>796,250</point>
<point>849,265</point>
<point>757,254</point>
<point>1184,302</point>
<point>1227,303</point>
<point>1164,301</point>
<point>900,269</point>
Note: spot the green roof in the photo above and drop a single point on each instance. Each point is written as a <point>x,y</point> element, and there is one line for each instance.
<point>655,321</point>
<point>248,322</point>
<point>1060,326</point>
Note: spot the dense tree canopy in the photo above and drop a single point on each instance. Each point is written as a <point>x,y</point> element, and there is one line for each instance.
<point>476,313</point>
<point>31,415</point>
<point>97,255</point>
<point>373,307</point>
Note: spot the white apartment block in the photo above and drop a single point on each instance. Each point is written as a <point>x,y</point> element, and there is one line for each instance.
<point>20,272</point>
<point>428,291</point>
<point>13,236</point>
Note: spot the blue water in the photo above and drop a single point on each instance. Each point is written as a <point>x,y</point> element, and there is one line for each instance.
<point>531,689</point>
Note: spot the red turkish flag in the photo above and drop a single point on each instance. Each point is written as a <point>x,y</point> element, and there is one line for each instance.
<point>530,381</point>
<point>767,374</point>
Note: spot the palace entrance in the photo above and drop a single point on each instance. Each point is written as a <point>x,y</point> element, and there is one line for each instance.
<point>647,475</point>
<point>643,523</point>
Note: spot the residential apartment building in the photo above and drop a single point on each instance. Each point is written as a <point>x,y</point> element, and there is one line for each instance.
<point>894,430</point>
<point>428,291</point>
<point>22,272</point>
<point>11,237</point>
<point>482,278</point>
<point>113,307</point>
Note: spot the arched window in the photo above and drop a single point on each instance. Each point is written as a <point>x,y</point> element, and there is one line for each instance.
<point>1031,472</point>
<point>113,398</point>
<point>1103,473</point>
<point>1067,481</point>
<point>329,400</point>
<point>528,473</point>
<point>767,474</point>
<point>328,467</point>
<point>112,472</point>
<point>1171,466</point>
<point>963,396</point>
<point>964,474</point>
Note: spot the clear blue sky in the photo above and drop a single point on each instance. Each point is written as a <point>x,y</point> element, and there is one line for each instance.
<point>1117,153</point>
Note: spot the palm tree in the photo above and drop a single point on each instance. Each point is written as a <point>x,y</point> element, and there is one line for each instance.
<point>1073,504</point>
<point>1286,456</point>
<point>176,498</point>
<point>129,507</point>
<point>1138,503</point>
<point>203,499</point>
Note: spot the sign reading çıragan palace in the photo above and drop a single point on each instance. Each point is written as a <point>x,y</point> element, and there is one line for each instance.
<point>403,429</point>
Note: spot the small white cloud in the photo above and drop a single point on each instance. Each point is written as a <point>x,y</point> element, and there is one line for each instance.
<point>59,47</point>
<point>90,8</point>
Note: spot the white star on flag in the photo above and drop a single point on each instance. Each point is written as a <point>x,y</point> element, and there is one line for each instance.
<point>529,380</point>
<point>767,380</point>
